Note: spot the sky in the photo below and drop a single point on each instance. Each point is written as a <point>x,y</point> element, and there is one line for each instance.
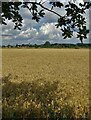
<point>38,33</point>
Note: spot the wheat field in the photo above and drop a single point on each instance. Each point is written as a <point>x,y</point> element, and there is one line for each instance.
<point>64,72</point>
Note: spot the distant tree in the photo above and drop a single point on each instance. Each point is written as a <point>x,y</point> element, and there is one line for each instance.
<point>35,45</point>
<point>17,46</point>
<point>68,23</point>
<point>23,45</point>
<point>9,46</point>
<point>47,44</point>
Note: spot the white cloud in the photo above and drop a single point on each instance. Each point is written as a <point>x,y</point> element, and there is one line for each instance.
<point>7,37</point>
<point>49,28</point>
<point>29,33</point>
<point>48,31</point>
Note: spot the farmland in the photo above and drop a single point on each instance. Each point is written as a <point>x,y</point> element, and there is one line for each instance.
<point>36,81</point>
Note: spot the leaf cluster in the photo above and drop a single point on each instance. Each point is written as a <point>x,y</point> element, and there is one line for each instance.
<point>57,4</point>
<point>74,20</point>
<point>10,11</point>
<point>33,8</point>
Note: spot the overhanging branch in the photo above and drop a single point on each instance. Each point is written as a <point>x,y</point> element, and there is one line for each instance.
<point>39,4</point>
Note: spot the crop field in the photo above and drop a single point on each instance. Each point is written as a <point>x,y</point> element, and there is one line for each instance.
<point>45,83</point>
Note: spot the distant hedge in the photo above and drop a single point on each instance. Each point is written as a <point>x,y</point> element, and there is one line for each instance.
<point>48,45</point>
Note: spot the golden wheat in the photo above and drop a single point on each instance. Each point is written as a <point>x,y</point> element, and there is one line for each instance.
<point>70,67</point>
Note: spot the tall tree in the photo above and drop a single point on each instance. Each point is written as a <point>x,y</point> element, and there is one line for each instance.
<point>72,21</point>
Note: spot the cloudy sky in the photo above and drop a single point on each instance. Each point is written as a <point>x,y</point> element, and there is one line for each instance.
<point>37,33</point>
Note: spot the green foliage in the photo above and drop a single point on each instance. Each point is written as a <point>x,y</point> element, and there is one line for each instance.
<point>73,18</point>
<point>47,44</point>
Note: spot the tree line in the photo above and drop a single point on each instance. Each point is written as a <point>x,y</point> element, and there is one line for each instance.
<point>47,44</point>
